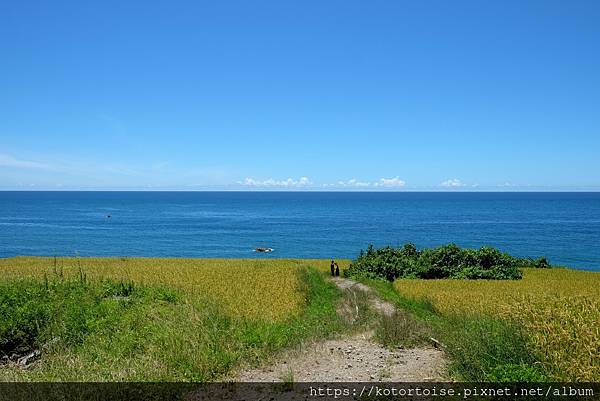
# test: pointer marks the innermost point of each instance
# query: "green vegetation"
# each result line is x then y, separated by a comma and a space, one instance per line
486, 348
120, 319
104, 329
480, 348
555, 312
355, 310
403, 330
449, 261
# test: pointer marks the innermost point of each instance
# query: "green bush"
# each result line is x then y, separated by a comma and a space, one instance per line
33, 313
448, 261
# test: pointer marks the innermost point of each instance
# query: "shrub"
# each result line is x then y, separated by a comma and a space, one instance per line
448, 261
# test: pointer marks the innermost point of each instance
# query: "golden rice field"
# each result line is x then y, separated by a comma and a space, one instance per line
257, 289
559, 308
187, 320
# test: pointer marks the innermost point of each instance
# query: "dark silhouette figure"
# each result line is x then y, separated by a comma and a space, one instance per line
332, 268
337, 270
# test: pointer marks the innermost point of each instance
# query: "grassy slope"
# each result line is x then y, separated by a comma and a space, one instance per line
103, 319
543, 325
480, 348
101, 328
558, 308
244, 287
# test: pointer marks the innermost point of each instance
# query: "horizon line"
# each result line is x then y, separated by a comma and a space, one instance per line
315, 191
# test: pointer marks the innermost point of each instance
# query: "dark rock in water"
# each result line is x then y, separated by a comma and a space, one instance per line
263, 249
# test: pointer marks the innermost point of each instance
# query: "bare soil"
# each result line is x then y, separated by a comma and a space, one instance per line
352, 358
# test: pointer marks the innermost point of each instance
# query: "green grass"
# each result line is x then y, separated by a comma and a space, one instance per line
479, 347
110, 330
355, 311
199, 320
402, 330
556, 309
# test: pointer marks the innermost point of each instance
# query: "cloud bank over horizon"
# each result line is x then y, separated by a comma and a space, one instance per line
305, 182
395, 182
270, 182
58, 174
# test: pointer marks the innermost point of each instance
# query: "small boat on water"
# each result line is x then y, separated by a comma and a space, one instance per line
260, 249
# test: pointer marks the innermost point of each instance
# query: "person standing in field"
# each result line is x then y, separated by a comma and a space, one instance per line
337, 270
332, 268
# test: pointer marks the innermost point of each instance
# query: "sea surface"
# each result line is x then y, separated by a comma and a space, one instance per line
564, 227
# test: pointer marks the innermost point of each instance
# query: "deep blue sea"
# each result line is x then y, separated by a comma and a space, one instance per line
565, 227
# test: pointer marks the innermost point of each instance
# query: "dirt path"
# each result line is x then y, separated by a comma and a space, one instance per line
377, 303
352, 358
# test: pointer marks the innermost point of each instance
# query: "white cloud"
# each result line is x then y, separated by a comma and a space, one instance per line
452, 183
10, 161
390, 182
394, 182
301, 182
270, 183
353, 183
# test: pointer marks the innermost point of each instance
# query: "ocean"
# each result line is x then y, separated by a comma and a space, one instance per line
564, 227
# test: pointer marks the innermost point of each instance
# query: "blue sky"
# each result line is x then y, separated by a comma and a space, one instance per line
305, 95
